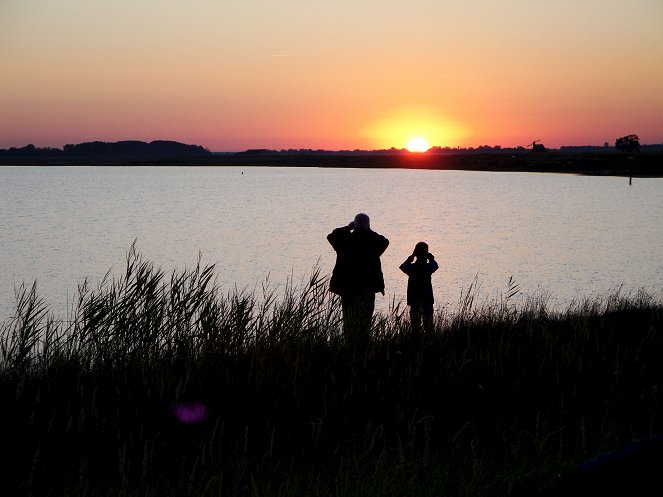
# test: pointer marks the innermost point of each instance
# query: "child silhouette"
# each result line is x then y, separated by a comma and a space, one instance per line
419, 267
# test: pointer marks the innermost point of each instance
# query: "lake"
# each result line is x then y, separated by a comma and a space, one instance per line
566, 235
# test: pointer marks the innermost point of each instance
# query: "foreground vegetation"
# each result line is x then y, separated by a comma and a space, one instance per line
163, 385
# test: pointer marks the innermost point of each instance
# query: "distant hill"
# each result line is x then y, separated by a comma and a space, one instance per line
159, 148
117, 150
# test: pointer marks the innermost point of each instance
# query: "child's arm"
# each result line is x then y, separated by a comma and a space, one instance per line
432, 264
406, 267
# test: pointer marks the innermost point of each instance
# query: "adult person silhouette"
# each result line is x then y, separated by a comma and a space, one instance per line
357, 275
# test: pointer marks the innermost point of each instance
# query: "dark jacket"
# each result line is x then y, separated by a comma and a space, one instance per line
358, 268
419, 286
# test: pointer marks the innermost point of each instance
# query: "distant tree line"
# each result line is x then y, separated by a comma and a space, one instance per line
629, 145
387, 151
165, 148
129, 148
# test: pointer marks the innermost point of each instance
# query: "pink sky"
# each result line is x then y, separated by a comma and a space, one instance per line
365, 74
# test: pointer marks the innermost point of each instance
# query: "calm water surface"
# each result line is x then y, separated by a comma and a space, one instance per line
571, 236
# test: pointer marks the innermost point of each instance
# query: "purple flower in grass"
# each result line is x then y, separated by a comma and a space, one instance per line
190, 412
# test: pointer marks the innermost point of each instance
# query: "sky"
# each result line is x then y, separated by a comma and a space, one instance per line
344, 74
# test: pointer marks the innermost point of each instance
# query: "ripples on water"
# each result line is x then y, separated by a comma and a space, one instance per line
567, 235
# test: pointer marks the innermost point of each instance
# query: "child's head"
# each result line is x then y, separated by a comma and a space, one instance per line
421, 250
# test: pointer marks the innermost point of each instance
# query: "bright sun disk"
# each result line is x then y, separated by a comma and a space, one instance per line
418, 144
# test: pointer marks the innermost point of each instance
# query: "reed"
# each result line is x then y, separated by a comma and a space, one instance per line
163, 384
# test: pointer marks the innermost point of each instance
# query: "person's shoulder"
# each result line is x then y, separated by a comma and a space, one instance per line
340, 231
379, 236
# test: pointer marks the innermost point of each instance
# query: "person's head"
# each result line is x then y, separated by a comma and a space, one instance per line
421, 250
362, 221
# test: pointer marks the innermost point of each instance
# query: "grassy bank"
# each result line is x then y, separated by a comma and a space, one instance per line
163, 385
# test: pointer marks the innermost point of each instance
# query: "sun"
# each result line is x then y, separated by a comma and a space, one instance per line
416, 127
418, 144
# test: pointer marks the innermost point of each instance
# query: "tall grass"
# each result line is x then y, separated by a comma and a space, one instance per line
500, 399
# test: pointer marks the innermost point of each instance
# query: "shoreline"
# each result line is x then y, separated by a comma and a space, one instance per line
592, 164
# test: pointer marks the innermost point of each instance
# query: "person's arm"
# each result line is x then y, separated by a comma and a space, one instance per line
381, 244
406, 267
338, 236
432, 264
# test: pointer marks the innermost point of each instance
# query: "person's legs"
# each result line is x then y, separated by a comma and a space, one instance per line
427, 312
357, 314
367, 309
415, 318
346, 306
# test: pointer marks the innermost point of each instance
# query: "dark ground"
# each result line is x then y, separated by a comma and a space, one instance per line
648, 164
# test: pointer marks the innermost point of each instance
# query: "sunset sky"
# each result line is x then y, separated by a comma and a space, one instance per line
342, 74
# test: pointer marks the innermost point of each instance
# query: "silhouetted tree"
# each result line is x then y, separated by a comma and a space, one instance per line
628, 143
135, 148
